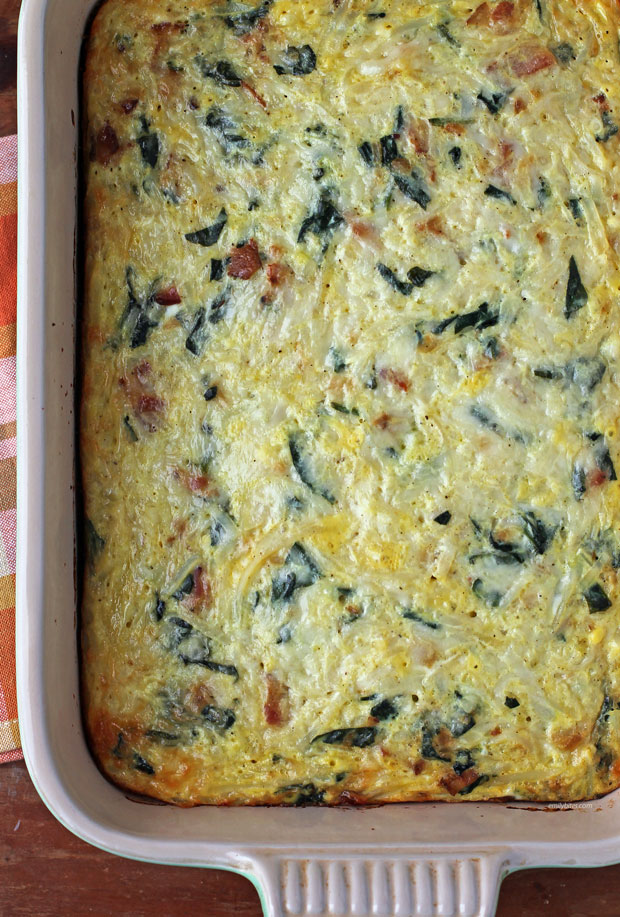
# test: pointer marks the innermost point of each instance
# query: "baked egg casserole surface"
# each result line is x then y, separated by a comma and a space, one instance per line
349, 411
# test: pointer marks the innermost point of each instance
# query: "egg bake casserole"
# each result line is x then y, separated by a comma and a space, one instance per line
349, 412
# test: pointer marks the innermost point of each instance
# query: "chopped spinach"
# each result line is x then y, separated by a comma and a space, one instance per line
455, 153
351, 737
460, 722
543, 191
390, 277
463, 760
366, 152
411, 615
219, 667
160, 607
186, 587
563, 52
479, 319
221, 717
242, 23
216, 532
284, 634
499, 194
537, 532
217, 308
586, 373
164, 738
94, 544
597, 598
131, 433
226, 131
414, 187
492, 349
386, 709
210, 234
576, 293
417, 277
141, 764
545, 372
210, 393
575, 208
148, 141
300, 463
300, 570
375, 15
445, 33
302, 794
611, 128
338, 362
604, 461
297, 61
511, 702
578, 481
488, 595
430, 727
283, 586
217, 269
389, 149
222, 72
197, 336
494, 101
443, 518
140, 314
322, 222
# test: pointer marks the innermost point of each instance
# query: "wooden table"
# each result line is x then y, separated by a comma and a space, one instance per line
46, 872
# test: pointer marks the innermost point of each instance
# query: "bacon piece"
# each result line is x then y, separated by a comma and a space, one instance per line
276, 707
596, 478
162, 28
396, 378
245, 261
277, 273
434, 225
502, 18
168, 297
383, 421
454, 127
196, 482
201, 596
419, 134
363, 230
480, 16
601, 100
529, 59
128, 105
198, 698
255, 95
455, 783
105, 145
146, 405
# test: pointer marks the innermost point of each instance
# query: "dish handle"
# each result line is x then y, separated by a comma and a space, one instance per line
356, 885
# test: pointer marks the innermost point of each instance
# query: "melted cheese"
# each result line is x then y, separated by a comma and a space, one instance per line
350, 399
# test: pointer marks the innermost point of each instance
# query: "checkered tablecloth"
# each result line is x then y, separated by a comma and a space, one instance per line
9, 732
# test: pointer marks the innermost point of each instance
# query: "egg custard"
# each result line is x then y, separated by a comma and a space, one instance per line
350, 399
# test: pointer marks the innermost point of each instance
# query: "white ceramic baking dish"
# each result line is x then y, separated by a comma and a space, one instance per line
418, 859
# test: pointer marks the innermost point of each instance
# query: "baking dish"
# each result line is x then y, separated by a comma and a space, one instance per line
419, 859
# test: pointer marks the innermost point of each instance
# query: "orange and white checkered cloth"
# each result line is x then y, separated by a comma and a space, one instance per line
9, 732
